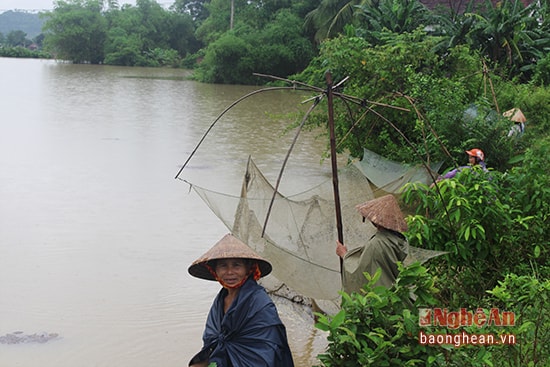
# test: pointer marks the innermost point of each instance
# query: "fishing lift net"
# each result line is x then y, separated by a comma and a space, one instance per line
300, 234
391, 176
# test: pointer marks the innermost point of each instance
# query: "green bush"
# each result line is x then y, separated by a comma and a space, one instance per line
380, 327
278, 49
23, 52
489, 223
226, 61
542, 72
437, 90
527, 297
162, 57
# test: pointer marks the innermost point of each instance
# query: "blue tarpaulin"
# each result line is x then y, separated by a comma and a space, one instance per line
250, 334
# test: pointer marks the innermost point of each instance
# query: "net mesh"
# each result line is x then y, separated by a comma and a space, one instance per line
391, 176
300, 234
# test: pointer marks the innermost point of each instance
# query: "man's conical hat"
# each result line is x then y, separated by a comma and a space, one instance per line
226, 248
384, 211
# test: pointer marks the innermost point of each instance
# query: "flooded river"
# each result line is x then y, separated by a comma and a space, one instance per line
96, 234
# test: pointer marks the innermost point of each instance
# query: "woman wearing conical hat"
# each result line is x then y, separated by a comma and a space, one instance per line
384, 249
243, 328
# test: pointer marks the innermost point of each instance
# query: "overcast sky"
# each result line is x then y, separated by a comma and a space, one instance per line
44, 4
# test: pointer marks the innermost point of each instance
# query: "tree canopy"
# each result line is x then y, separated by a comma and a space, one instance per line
282, 36
98, 31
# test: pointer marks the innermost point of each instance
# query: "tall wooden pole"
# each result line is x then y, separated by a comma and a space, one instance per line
334, 162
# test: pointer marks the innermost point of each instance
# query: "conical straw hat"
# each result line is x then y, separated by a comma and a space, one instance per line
226, 248
515, 115
384, 211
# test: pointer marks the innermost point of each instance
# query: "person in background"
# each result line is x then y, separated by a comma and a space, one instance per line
384, 249
476, 157
243, 328
517, 129
518, 118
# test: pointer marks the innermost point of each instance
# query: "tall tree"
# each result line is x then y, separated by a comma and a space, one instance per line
330, 17
217, 22
197, 9
398, 16
509, 32
76, 30
153, 24
274, 45
17, 38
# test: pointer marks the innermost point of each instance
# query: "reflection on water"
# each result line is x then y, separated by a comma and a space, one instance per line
96, 234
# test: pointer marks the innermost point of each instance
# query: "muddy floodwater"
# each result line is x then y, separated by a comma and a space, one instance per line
96, 234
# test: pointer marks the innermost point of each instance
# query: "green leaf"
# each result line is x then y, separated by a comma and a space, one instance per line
526, 326
338, 319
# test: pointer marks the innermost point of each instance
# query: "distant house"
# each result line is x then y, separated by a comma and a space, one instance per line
458, 6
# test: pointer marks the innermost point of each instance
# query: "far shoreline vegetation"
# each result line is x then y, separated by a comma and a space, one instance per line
453, 74
23, 52
227, 41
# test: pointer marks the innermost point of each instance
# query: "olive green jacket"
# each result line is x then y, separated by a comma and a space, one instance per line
383, 250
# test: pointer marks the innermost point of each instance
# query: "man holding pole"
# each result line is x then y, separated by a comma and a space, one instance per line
384, 249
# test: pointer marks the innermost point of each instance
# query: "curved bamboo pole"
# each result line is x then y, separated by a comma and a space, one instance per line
330, 92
